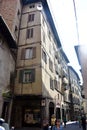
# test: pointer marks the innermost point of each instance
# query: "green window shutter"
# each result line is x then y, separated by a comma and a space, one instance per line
20, 76
33, 75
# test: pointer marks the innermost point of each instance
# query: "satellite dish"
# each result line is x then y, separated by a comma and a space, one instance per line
39, 7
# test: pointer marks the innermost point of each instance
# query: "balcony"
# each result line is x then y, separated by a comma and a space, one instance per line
65, 81
83, 94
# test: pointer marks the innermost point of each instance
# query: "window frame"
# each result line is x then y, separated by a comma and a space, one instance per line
22, 76
29, 33
31, 17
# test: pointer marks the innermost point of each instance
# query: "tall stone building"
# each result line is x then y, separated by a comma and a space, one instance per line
82, 58
75, 93
7, 68
38, 84
41, 76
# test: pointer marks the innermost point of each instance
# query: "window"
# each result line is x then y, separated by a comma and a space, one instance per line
44, 56
31, 6
31, 17
28, 53
56, 84
50, 65
29, 33
18, 13
49, 35
27, 76
58, 96
44, 37
51, 84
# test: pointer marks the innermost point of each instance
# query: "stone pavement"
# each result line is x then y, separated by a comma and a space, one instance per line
69, 126
72, 127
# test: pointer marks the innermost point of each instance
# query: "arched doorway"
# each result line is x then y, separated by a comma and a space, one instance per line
51, 111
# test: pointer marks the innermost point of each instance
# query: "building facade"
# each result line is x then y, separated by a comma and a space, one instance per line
42, 83
82, 56
75, 93
38, 83
11, 12
7, 68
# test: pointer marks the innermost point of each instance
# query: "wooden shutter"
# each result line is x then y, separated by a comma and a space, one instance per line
22, 53
34, 52
27, 33
20, 76
33, 75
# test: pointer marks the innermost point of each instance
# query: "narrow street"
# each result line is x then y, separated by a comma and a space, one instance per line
72, 127
69, 126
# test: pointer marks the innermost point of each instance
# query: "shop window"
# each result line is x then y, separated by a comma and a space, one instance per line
32, 116
27, 76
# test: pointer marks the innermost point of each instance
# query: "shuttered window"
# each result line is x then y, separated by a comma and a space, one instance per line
29, 33
51, 84
27, 76
28, 53
31, 17
50, 65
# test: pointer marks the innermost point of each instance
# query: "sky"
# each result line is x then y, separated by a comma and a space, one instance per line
65, 21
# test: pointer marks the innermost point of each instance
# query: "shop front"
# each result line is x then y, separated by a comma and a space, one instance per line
26, 111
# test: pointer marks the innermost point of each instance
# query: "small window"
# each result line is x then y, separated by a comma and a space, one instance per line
18, 13
31, 17
44, 56
31, 6
27, 77
49, 35
28, 53
51, 84
50, 65
16, 28
30, 33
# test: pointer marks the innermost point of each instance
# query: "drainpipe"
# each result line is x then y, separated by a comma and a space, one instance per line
71, 99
